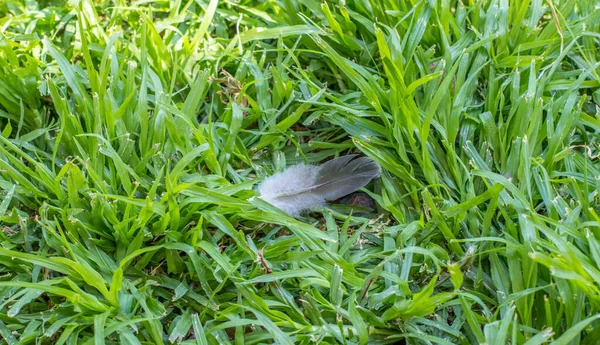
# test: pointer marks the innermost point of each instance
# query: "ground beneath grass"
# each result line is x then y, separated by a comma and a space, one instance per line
133, 135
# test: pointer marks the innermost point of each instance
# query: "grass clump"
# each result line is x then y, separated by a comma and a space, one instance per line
133, 135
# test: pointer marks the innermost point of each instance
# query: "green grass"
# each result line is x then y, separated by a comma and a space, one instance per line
133, 135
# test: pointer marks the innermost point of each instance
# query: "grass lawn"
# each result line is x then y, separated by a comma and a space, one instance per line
134, 134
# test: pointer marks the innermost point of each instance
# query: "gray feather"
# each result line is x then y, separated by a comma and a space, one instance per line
300, 187
344, 175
